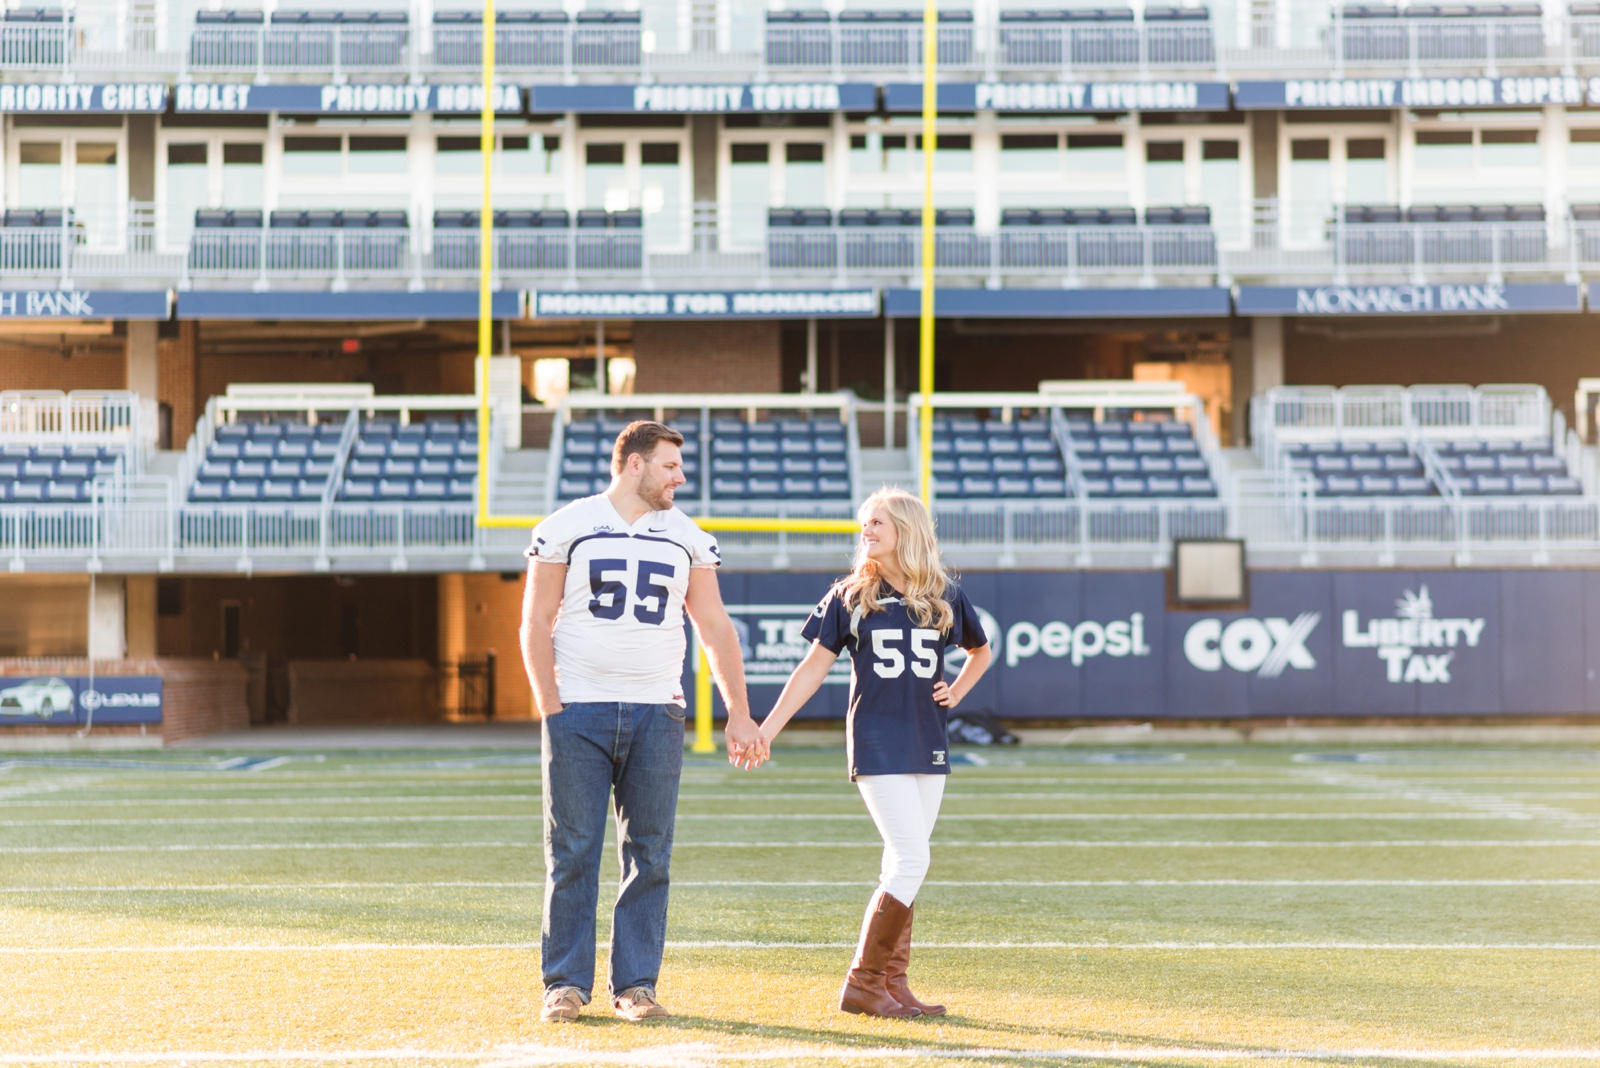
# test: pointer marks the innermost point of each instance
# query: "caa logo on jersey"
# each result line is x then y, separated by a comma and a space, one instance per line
1264, 646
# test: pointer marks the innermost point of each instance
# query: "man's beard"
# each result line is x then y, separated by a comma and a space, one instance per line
655, 493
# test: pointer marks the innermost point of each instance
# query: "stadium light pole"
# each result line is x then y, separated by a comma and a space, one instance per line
930, 116
485, 263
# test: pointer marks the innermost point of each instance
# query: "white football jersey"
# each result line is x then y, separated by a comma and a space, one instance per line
620, 636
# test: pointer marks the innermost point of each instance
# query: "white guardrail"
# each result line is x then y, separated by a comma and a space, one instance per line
136, 521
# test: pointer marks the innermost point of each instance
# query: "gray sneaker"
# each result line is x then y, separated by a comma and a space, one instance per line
638, 1003
561, 1004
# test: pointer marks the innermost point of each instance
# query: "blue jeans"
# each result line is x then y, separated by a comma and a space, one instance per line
589, 750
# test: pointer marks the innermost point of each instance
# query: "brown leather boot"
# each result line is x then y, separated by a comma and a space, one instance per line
895, 976
864, 990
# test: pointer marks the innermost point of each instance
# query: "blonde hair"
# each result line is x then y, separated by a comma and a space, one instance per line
917, 553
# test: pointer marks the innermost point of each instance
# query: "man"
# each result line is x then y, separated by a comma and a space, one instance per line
603, 643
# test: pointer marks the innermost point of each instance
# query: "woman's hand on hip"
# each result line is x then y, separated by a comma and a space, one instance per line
944, 696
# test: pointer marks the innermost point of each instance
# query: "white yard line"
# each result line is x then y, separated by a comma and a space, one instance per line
485, 947
856, 817
1463, 843
187, 888
697, 1054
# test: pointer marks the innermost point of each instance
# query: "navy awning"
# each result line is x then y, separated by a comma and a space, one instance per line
86, 304
322, 305
704, 304
1061, 303
708, 98
1442, 299
1063, 96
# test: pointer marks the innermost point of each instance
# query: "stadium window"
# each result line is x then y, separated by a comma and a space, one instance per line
605, 178
1444, 150
953, 154
749, 193
1366, 171
1310, 187
377, 155
530, 156
1163, 173
805, 177
1095, 153
95, 194
1583, 148
1222, 186
39, 174
457, 155
661, 193
1030, 153
311, 155
1508, 148
243, 176
188, 185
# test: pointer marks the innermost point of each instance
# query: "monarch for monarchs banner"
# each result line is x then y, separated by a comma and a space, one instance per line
1074, 644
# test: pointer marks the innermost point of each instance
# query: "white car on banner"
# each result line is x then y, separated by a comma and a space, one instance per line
42, 698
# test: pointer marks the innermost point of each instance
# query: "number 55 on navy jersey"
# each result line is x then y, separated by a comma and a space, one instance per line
894, 727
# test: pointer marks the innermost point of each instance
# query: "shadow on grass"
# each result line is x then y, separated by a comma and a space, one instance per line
918, 1039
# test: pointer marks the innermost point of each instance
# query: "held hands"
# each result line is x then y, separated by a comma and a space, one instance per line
747, 746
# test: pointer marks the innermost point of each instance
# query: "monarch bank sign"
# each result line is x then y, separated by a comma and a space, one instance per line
1442, 299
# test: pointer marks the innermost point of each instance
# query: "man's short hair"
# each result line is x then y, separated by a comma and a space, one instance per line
641, 436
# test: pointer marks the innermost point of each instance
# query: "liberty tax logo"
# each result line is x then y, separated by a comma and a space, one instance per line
1413, 628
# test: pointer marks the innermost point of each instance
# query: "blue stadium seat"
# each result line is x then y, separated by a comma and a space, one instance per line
763, 487
360, 490
394, 489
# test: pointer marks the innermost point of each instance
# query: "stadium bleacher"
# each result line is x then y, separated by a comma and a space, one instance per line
1425, 441
994, 457
282, 458
1139, 458
784, 459
394, 462
55, 474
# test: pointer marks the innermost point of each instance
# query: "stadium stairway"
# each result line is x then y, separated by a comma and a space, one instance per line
520, 487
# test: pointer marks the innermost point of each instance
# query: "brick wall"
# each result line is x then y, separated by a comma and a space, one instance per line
493, 611
721, 357
362, 691
177, 387
64, 362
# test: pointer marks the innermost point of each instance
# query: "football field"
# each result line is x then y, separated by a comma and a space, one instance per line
1263, 905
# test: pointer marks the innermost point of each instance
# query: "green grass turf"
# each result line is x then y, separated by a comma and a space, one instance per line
1217, 907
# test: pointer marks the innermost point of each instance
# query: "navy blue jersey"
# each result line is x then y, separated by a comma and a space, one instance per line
894, 727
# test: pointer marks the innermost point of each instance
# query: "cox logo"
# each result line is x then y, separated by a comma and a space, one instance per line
1265, 646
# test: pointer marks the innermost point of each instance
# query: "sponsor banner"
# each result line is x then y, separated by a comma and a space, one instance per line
1064, 96
1444, 299
1172, 302
85, 304
751, 304
1417, 93
320, 305
695, 99
69, 99
70, 700
345, 99
1350, 643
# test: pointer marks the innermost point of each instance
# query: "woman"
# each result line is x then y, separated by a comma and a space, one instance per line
897, 612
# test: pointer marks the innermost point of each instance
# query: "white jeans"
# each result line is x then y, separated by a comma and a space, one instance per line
905, 808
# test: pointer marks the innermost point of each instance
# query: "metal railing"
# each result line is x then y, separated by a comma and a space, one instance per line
1416, 250
295, 48
1299, 38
